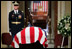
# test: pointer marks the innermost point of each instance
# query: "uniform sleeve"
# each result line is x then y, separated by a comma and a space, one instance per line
9, 21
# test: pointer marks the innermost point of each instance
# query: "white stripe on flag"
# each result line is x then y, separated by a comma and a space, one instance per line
45, 6
37, 6
27, 34
15, 43
34, 6
41, 3
43, 37
19, 36
36, 33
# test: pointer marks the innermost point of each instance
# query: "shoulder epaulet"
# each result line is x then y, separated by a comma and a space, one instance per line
10, 11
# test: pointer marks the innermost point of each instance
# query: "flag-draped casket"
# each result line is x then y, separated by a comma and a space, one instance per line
30, 35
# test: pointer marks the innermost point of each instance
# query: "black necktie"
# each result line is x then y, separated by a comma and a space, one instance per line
16, 12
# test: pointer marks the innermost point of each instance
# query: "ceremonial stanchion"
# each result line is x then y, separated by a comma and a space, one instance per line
50, 32
62, 42
30, 17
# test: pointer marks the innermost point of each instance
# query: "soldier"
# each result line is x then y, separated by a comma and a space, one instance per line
16, 20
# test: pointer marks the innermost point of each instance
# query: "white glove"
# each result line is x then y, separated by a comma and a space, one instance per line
10, 33
47, 33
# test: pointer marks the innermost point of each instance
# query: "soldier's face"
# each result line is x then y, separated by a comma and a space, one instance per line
16, 7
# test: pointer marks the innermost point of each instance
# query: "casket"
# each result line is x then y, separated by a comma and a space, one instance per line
30, 37
39, 15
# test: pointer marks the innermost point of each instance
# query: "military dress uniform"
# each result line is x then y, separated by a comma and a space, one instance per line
16, 22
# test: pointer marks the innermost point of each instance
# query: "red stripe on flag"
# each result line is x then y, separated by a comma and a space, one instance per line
40, 34
47, 5
44, 42
23, 39
13, 44
42, 3
33, 6
16, 39
46, 45
32, 34
44, 6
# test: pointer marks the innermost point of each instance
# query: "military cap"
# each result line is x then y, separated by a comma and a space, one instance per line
16, 3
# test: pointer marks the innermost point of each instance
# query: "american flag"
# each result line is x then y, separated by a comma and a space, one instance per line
30, 35
35, 4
